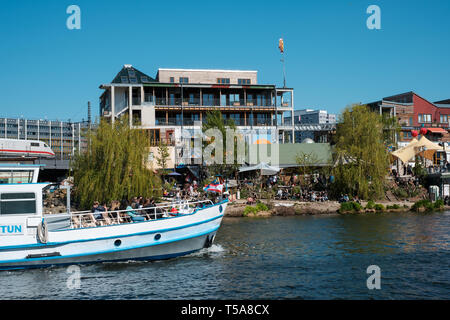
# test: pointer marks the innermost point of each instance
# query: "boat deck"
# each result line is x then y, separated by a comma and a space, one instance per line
88, 219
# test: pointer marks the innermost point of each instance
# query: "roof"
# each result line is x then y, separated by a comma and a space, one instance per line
288, 153
205, 70
131, 75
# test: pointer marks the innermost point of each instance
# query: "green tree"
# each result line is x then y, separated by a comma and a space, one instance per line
215, 120
115, 166
306, 163
360, 141
163, 156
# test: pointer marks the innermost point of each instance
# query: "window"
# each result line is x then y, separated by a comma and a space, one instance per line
133, 80
243, 81
144, 79
172, 80
124, 79
184, 80
208, 99
23, 176
17, 203
234, 99
36, 144
223, 80
424, 118
444, 118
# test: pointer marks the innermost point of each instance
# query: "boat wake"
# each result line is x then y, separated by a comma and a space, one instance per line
213, 251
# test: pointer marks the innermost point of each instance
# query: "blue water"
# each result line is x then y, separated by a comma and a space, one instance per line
308, 257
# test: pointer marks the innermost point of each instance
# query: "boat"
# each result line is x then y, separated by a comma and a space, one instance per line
30, 238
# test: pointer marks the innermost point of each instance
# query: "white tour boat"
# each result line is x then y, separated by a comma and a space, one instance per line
29, 238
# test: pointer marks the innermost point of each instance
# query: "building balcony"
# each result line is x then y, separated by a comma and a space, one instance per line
208, 103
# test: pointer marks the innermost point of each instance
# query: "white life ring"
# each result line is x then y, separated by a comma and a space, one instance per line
42, 231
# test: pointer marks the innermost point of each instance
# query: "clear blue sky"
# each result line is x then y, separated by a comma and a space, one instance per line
332, 58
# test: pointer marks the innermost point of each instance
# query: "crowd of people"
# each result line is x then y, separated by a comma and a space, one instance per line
134, 210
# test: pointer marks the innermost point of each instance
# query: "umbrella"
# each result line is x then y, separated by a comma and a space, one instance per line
173, 174
265, 169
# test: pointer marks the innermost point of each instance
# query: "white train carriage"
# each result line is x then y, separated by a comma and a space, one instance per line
25, 148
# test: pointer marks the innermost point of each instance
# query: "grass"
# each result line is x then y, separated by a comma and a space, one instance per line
255, 209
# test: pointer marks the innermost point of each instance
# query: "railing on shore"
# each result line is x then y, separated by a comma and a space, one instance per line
86, 219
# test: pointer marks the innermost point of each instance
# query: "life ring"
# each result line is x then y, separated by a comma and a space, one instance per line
42, 231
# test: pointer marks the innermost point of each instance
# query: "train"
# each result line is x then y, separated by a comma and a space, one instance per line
25, 148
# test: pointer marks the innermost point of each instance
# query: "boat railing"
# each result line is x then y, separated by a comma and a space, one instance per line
85, 219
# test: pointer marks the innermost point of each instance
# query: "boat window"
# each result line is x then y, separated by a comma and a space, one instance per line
18, 203
10, 176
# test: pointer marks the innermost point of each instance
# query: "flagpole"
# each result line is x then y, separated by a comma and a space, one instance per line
281, 47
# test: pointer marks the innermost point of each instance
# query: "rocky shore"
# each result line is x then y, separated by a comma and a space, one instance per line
293, 208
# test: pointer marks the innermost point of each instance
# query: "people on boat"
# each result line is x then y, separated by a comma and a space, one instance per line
133, 214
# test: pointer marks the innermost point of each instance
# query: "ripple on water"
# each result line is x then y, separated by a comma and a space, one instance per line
276, 258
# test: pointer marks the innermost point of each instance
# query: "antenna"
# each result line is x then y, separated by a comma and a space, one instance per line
89, 113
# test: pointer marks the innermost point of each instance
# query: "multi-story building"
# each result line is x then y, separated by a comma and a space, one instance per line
413, 113
316, 125
179, 99
65, 138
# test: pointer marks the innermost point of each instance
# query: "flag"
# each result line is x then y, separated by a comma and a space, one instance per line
281, 45
213, 187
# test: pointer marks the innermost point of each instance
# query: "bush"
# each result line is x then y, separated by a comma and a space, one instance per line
427, 204
350, 206
439, 204
296, 189
370, 204
249, 209
401, 193
379, 207
261, 207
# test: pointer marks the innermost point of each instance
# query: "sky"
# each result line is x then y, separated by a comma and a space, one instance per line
332, 58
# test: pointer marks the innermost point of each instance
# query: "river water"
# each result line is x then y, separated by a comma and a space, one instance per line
305, 257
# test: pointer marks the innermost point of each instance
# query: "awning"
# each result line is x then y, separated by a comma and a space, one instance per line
437, 130
415, 147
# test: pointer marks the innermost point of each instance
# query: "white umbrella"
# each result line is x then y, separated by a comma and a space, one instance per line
265, 169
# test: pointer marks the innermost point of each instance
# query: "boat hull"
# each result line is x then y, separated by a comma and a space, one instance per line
148, 253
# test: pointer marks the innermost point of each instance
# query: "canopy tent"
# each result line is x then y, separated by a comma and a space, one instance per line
263, 167
416, 147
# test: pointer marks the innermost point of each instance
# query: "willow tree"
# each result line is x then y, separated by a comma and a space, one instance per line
214, 120
361, 155
115, 166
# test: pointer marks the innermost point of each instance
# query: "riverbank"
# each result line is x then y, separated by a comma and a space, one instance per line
293, 208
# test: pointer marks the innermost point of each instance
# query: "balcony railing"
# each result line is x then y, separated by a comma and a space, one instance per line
209, 102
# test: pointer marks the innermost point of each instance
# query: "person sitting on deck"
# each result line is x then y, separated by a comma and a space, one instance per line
97, 210
173, 211
133, 214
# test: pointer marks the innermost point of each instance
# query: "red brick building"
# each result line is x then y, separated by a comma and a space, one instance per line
414, 113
